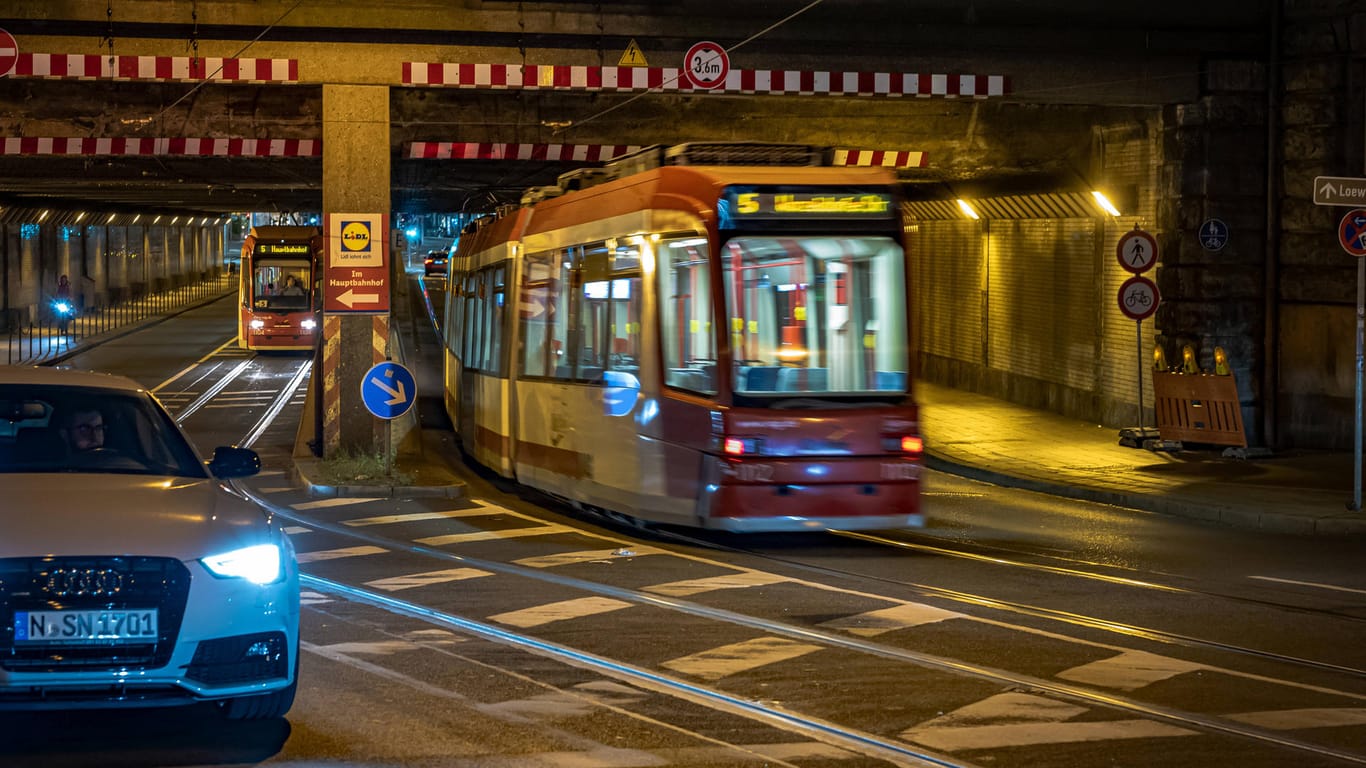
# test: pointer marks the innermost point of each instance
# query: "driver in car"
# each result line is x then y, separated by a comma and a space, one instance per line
84, 430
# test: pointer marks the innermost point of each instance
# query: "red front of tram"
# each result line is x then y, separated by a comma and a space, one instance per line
279, 292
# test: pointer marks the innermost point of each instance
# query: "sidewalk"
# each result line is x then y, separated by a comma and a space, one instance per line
999, 442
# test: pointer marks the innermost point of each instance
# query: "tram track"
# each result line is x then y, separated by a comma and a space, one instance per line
850, 737
830, 639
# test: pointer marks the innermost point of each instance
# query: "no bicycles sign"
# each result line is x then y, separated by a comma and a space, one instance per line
1138, 298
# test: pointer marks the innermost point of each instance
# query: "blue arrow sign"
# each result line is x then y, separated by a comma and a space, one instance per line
388, 390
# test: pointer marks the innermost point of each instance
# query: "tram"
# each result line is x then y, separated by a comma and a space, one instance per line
707, 335
280, 288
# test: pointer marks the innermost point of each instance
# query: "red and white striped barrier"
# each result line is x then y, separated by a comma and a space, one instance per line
42, 145
593, 153
78, 66
745, 81
457, 150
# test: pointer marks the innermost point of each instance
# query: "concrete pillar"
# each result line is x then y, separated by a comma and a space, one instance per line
30, 271
355, 180
96, 266
70, 261
117, 258
158, 258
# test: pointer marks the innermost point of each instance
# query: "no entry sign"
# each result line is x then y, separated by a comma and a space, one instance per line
9, 53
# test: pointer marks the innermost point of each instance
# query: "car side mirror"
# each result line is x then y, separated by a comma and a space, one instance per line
229, 462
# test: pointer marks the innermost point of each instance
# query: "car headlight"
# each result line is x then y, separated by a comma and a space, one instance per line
259, 564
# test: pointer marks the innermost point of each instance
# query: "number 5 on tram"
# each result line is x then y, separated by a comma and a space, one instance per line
279, 288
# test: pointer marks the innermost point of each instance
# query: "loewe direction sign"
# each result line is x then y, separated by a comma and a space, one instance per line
1339, 190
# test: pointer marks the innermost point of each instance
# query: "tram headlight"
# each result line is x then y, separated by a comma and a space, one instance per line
257, 323
309, 324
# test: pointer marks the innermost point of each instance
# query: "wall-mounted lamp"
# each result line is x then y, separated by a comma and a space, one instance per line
1104, 202
967, 210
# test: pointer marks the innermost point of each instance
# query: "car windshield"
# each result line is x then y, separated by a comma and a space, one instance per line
80, 429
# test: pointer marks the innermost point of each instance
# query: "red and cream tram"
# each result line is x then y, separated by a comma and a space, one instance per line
689, 336
279, 288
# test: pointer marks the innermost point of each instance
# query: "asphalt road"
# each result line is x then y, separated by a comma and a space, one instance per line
505, 630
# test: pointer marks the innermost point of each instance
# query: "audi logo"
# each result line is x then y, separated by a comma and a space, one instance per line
83, 582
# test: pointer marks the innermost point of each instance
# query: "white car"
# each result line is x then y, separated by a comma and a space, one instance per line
131, 573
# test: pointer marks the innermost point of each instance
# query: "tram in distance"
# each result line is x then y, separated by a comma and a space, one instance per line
708, 335
280, 288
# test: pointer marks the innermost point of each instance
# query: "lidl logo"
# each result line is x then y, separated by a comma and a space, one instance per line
355, 236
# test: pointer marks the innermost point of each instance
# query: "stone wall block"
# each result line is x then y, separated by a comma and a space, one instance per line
1236, 111
1184, 115
1314, 249
1307, 39
1321, 283
1307, 144
1311, 74
1311, 108
1299, 214
1235, 75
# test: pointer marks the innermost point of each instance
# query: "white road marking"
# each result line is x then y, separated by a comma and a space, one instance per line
313, 598
512, 533
727, 660
1333, 587
378, 648
1294, 719
1129, 671
877, 622
340, 501
566, 609
396, 583
1019, 719
586, 556
413, 517
337, 554
277, 489
713, 583
295, 530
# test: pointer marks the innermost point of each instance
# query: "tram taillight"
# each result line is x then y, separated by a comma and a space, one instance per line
739, 446
909, 444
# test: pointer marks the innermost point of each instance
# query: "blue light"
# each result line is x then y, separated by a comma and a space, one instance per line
411, 232
29, 231
817, 470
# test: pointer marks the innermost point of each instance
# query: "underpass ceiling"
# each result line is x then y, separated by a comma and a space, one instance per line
1034, 139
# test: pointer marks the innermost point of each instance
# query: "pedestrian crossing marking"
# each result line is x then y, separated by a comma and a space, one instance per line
713, 583
397, 583
1295, 719
512, 533
295, 530
566, 609
313, 598
877, 622
377, 648
340, 501
727, 660
337, 554
412, 517
1019, 719
1129, 671
586, 556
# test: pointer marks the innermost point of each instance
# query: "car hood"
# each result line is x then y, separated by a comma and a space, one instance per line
79, 514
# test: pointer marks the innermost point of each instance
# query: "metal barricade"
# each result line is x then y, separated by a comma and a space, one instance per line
1198, 407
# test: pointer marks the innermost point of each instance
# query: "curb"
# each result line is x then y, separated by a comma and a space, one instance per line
300, 471
1251, 520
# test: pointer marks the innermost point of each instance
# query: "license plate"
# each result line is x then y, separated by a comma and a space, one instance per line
72, 627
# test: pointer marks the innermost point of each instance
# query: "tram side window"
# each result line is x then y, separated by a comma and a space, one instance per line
544, 324
685, 300
608, 315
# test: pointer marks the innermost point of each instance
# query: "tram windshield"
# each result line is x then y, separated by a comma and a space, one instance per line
816, 315
281, 285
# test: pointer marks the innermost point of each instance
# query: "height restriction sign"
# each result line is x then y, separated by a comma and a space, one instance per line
706, 65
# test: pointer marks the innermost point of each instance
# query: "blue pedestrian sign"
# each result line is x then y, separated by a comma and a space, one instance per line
1352, 232
1213, 235
388, 390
